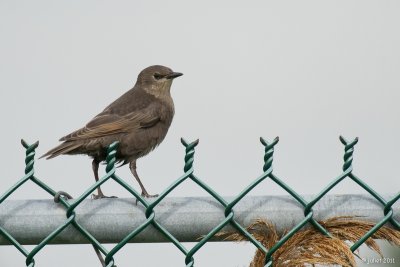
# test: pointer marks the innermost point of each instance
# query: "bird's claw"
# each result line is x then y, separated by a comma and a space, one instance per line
146, 195
100, 196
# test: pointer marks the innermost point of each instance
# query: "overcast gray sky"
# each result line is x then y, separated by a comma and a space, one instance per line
306, 71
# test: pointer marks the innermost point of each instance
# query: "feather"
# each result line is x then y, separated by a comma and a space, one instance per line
61, 149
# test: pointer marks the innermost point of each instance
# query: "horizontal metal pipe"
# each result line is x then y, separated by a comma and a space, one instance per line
110, 220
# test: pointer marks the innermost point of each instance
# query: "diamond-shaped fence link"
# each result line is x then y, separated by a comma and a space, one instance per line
71, 204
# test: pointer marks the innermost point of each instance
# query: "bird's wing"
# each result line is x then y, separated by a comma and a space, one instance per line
110, 124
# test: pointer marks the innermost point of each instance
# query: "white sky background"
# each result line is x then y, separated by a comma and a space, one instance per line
306, 71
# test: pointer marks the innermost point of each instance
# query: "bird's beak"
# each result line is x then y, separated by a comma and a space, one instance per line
173, 75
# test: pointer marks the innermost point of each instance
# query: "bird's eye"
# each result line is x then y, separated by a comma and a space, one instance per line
157, 76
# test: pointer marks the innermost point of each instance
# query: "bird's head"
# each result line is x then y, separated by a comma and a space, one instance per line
157, 79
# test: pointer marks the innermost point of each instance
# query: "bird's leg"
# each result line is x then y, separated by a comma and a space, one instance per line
95, 166
132, 166
98, 253
100, 256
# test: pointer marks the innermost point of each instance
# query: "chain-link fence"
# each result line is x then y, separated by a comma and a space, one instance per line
71, 204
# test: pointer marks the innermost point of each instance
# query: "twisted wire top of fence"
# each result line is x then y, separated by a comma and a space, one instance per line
71, 204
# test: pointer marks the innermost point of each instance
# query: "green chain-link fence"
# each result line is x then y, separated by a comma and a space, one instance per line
229, 214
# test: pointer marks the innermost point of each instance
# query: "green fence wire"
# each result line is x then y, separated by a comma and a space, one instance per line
71, 204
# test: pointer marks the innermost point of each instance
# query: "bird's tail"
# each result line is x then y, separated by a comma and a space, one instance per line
64, 148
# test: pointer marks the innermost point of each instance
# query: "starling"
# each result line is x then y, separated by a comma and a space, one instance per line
139, 120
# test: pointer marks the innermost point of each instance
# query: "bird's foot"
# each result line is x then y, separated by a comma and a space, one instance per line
147, 195
99, 196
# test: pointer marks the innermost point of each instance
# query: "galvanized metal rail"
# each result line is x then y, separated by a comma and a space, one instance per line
110, 220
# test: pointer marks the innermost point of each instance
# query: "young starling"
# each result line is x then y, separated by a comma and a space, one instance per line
138, 120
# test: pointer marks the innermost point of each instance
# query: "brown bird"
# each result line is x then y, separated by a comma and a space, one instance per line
139, 120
